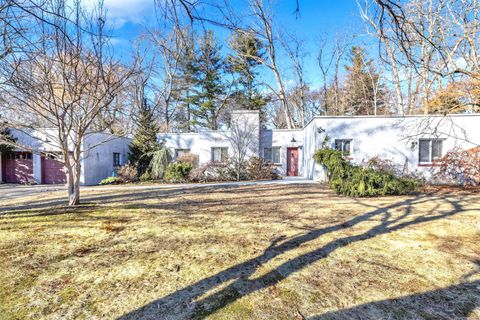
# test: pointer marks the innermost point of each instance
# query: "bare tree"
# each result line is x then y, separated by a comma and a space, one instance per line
295, 50
66, 79
434, 42
330, 59
263, 28
243, 137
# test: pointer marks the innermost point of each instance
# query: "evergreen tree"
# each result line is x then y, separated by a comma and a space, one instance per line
185, 82
243, 63
5, 136
206, 100
364, 94
144, 142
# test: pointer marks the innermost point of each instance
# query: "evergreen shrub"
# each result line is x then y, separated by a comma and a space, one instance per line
356, 181
178, 171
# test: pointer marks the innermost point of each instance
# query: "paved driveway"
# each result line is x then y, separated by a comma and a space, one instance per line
12, 191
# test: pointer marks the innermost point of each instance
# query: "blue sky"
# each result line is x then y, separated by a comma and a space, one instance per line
318, 18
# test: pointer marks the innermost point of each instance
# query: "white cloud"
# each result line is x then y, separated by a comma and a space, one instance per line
120, 12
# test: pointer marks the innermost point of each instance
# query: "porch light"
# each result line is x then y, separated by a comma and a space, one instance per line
320, 130
293, 140
413, 145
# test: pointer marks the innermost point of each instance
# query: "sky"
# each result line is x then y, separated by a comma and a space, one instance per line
318, 18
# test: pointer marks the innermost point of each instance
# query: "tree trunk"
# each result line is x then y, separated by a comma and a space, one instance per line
74, 184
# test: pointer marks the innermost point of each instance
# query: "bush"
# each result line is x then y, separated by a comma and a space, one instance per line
145, 177
188, 158
127, 173
214, 172
461, 166
110, 180
178, 171
160, 159
357, 181
385, 165
259, 169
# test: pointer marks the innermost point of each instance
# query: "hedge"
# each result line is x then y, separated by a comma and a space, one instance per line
356, 181
178, 171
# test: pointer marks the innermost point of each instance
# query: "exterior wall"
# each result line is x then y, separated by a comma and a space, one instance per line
97, 162
202, 142
283, 139
393, 138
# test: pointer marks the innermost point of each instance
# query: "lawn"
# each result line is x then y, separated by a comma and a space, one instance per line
250, 252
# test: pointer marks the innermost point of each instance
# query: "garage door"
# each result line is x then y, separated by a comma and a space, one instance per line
53, 171
17, 167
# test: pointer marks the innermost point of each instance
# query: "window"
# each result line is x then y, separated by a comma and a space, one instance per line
219, 154
20, 155
116, 159
344, 145
429, 150
272, 154
181, 152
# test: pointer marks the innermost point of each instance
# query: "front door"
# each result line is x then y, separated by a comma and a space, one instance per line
292, 162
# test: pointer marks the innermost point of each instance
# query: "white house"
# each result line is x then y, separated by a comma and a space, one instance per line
37, 162
411, 142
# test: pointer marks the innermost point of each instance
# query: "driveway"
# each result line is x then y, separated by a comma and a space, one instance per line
12, 191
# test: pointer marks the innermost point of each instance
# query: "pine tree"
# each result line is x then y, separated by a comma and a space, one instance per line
144, 142
243, 63
185, 82
206, 100
5, 136
364, 93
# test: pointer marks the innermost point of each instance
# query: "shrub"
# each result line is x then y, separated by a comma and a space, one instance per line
214, 171
188, 158
461, 166
178, 172
160, 158
145, 177
259, 169
385, 165
110, 180
127, 173
357, 181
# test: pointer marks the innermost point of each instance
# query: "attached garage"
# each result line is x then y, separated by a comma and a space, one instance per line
17, 167
53, 171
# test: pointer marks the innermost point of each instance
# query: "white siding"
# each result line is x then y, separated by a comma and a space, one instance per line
97, 163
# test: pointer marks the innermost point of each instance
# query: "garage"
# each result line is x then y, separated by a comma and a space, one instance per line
53, 171
17, 167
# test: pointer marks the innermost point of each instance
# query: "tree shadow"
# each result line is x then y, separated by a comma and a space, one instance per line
453, 302
136, 198
238, 281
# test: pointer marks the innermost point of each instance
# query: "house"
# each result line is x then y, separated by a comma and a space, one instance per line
38, 162
413, 143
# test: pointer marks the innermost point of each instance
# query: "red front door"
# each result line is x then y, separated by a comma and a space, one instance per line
292, 162
17, 167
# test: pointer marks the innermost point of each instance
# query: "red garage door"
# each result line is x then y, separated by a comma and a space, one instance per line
17, 167
53, 171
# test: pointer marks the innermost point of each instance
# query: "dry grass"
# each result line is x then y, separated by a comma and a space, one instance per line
252, 252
